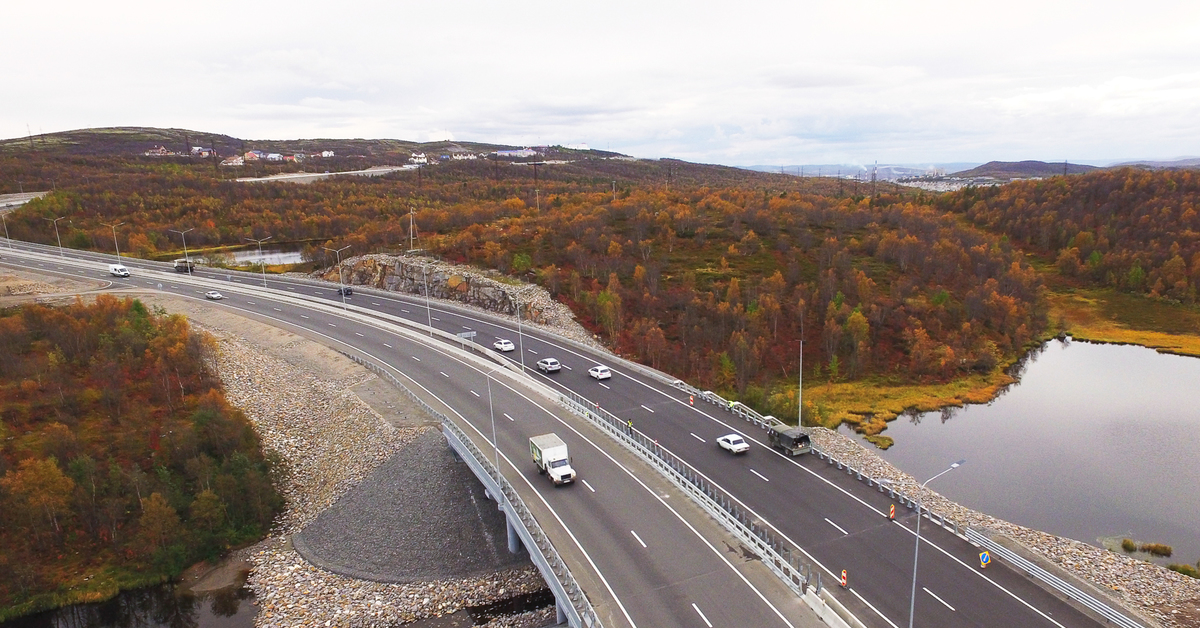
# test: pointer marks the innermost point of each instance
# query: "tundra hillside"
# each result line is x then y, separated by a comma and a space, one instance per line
120, 460
710, 273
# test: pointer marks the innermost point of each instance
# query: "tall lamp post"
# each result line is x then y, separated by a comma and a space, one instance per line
183, 234
5, 220
262, 262
341, 288
912, 603
55, 221
520, 336
428, 311
115, 245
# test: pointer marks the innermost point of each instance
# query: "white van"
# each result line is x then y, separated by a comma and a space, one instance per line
117, 270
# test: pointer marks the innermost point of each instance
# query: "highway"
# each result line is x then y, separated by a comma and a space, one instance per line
841, 523
641, 560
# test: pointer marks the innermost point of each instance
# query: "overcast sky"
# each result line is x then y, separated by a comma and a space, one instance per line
736, 83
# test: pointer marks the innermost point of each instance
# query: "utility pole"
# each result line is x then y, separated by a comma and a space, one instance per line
411, 228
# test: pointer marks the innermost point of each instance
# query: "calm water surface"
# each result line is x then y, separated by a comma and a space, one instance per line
152, 607
1095, 441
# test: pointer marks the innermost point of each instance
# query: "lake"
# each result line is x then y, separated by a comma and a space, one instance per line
272, 256
1094, 441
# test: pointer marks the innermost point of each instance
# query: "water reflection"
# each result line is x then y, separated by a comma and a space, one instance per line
1094, 441
152, 607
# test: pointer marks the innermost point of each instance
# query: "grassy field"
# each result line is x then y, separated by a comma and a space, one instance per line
1116, 317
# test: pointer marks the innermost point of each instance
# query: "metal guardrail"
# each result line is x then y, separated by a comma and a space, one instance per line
787, 561
1061, 585
962, 531
551, 565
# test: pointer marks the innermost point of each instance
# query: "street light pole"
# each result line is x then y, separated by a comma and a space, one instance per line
186, 260
115, 245
912, 603
428, 312
520, 336
261, 261
341, 288
55, 221
5, 220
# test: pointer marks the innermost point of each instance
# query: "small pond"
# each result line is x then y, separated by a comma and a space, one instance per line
1094, 442
163, 606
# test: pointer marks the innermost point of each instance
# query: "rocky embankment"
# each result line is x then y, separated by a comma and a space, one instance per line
331, 440
1170, 598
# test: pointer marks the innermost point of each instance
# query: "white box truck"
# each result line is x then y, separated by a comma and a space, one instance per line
550, 455
118, 270
183, 265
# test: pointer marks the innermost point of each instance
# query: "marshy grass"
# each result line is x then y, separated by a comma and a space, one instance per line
1156, 549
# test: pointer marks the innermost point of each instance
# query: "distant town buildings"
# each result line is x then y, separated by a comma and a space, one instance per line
236, 160
160, 151
418, 158
521, 152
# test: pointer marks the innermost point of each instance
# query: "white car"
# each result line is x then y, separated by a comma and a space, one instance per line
503, 345
733, 443
214, 295
600, 372
548, 365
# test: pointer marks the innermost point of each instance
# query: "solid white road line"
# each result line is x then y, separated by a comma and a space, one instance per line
639, 539
388, 346
698, 438
416, 358
514, 421
567, 367
331, 325
405, 311
250, 302
585, 483
648, 409
872, 607
374, 303
606, 386
444, 374
836, 526
760, 475
303, 316
276, 309
706, 622
938, 598
359, 335
436, 318
477, 394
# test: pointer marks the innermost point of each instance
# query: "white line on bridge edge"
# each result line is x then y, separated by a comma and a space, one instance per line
514, 421
388, 346
706, 622
648, 409
938, 598
872, 607
836, 526
765, 479
698, 438
585, 483
639, 539
474, 393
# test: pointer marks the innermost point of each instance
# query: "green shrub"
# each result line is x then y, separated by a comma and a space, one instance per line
1128, 545
1186, 570
1157, 549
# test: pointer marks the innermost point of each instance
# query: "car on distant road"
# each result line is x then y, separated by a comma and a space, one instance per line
733, 443
503, 345
548, 365
214, 295
345, 291
600, 372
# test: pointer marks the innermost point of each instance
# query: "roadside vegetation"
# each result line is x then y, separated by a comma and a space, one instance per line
121, 462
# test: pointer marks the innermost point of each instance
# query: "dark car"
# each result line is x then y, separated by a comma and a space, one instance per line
345, 291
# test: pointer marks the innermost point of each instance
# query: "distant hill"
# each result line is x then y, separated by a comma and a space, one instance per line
128, 141
1188, 162
1022, 170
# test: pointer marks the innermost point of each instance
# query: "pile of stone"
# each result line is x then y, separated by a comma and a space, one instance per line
330, 440
27, 287
1171, 598
291, 592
